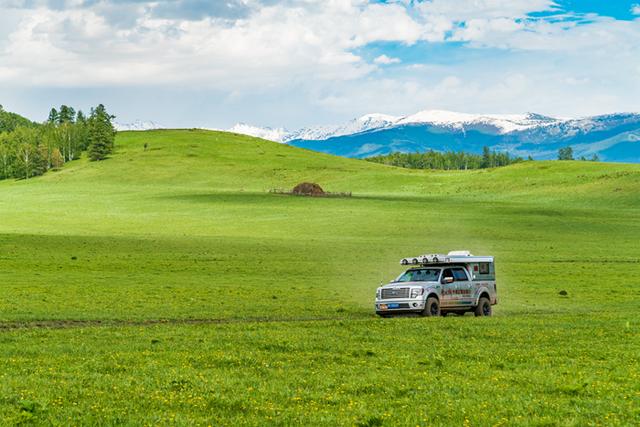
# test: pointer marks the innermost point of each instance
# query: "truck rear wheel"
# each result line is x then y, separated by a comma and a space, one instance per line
483, 308
431, 307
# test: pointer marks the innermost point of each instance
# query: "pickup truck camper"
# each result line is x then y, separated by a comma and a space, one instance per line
438, 284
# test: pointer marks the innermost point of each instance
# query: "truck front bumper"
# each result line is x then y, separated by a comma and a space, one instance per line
399, 306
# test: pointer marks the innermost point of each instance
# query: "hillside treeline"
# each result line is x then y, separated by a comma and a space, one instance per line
9, 121
29, 149
448, 160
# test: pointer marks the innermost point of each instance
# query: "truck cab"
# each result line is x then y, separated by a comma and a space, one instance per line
437, 284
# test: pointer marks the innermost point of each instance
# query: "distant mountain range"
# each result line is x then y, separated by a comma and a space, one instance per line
317, 133
613, 137
137, 125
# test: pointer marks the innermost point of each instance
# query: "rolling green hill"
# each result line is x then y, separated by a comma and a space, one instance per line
167, 286
9, 121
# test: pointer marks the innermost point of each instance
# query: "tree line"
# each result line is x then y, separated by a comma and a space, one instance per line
461, 160
566, 153
28, 149
447, 160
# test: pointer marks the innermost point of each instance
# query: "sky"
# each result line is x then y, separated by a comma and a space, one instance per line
295, 63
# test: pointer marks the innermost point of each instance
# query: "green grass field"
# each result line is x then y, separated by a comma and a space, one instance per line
168, 287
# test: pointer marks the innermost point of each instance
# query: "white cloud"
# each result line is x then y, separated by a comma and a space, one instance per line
274, 45
488, 87
386, 60
461, 10
576, 80
635, 9
469, 19
88, 43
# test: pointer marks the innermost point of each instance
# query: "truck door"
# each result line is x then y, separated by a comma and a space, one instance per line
464, 288
448, 288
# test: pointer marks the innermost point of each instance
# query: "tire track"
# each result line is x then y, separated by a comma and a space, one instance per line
74, 323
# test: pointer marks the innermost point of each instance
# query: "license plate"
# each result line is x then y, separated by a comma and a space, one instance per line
393, 305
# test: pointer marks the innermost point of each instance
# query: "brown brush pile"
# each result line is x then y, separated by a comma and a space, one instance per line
308, 189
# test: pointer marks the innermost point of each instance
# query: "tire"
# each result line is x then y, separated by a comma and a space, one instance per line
483, 308
431, 308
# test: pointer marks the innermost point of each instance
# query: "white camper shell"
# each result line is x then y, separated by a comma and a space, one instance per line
438, 284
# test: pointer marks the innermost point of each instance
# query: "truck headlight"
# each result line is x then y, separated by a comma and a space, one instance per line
416, 292
378, 293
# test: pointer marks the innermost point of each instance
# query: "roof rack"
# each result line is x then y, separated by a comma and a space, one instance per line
450, 258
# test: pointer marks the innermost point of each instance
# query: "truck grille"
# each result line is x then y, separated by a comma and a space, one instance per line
390, 293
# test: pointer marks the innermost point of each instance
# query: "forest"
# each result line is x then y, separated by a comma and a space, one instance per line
448, 160
29, 149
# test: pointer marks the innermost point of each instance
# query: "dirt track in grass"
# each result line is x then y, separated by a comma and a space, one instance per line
71, 323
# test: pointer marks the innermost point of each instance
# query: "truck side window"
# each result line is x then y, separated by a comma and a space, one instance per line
460, 275
447, 273
484, 268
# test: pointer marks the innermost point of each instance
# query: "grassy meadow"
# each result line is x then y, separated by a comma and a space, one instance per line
167, 286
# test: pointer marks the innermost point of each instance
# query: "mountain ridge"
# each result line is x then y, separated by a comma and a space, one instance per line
137, 125
612, 136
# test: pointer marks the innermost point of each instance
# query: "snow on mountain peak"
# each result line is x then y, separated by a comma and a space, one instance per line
137, 125
378, 117
271, 134
361, 124
504, 123
499, 123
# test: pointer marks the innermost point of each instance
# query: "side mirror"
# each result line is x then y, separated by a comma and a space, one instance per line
447, 280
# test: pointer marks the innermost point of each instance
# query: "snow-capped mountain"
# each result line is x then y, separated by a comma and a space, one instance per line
502, 123
271, 134
499, 123
361, 124
613, 137
137, 125
317, 133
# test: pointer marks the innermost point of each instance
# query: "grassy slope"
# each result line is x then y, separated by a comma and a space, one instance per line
186, 230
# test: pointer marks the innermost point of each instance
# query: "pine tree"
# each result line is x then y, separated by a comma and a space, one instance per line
486, 157
81, 131
54, 117
81, 118
66, 115
101, 134
565, 153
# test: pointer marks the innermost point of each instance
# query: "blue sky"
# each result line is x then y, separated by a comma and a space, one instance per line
295, 63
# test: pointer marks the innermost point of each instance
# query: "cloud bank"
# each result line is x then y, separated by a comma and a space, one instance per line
504, 54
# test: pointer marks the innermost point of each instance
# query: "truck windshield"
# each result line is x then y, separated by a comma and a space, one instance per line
420, 275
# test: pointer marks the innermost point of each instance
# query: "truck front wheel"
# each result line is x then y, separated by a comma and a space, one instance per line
483, 308
431, 307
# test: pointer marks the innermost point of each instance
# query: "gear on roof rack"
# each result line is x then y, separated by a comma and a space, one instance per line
451, 257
